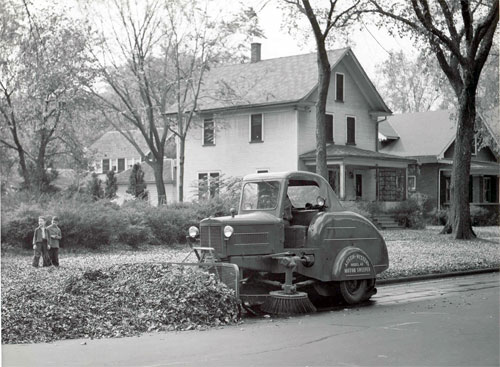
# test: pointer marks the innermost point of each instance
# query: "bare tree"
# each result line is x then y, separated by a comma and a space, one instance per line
44, 62
460, 34
322, 21
155, 84
413, 84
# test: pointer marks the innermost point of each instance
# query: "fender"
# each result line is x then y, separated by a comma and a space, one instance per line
352, 263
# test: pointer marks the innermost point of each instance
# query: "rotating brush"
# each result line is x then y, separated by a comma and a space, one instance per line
288, 301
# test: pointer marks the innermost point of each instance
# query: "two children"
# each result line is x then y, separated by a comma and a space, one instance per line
46, 243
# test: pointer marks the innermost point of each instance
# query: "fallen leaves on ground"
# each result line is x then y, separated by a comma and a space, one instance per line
127, 292
421, 252
47, 304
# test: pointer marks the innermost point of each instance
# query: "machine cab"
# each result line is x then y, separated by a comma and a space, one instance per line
292, 196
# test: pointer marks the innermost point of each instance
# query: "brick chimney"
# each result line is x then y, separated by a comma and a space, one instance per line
255, 55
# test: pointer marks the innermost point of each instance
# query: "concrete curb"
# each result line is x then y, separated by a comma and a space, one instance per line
417, 278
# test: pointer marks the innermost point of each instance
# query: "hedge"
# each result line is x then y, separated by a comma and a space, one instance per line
94, 224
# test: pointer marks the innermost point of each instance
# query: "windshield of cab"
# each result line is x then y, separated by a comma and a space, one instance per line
261, 195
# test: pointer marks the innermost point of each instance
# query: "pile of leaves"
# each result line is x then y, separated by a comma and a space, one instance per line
122, 300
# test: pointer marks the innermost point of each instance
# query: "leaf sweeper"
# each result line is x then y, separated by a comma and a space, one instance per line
289, 240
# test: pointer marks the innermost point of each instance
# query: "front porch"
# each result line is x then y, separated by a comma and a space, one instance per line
484, 182
358, 174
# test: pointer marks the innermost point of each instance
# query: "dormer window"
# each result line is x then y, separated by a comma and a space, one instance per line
208, 132
329, 128
339, 87
256, 128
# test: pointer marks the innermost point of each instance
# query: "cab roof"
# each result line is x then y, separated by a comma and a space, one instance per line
295, 175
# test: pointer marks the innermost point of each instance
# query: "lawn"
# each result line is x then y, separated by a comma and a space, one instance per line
417, 252
123, 291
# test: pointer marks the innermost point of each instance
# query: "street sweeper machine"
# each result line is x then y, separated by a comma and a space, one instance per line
291, 241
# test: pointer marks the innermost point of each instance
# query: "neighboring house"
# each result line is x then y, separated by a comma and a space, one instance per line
113, 152
429, 138
260, 117
169, 174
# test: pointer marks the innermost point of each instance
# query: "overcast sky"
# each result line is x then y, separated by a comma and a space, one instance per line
370, 46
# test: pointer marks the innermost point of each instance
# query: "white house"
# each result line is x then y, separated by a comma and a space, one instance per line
260, 117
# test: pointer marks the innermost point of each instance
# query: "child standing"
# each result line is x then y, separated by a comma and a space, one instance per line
54, 237
40, 244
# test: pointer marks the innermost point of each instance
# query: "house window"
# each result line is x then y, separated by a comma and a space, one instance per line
329, 128
256, 128
105, 165
412, 183
488, 190
391, 184
208, 185
208, 132
351, 130
339, 87
447, 192
121, 164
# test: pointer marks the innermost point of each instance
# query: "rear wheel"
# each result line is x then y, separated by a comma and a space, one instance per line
354, 291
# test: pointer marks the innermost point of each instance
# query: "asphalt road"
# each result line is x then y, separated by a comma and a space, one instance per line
447, 322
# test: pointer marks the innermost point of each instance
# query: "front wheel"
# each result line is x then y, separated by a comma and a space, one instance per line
354, 291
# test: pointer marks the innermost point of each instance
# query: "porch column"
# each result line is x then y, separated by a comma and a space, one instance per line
342, 181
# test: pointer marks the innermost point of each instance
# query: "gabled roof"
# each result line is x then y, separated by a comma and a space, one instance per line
430, 133
386, 132
113, 144
342, 151
149, 176
421, 133
278, 81
492, 123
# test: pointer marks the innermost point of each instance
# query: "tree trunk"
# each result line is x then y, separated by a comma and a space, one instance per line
160, 186
323, 85
40, 165
182, 150
459, 221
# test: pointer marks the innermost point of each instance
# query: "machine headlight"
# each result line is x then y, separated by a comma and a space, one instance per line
193, 232
320, 201
228, 231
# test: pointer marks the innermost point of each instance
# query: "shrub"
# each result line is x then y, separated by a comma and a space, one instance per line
134, 235
88, 224
441, 217
111, 185
409, 214
480, 216
19, 225
170, 226
424, 202
356, 207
